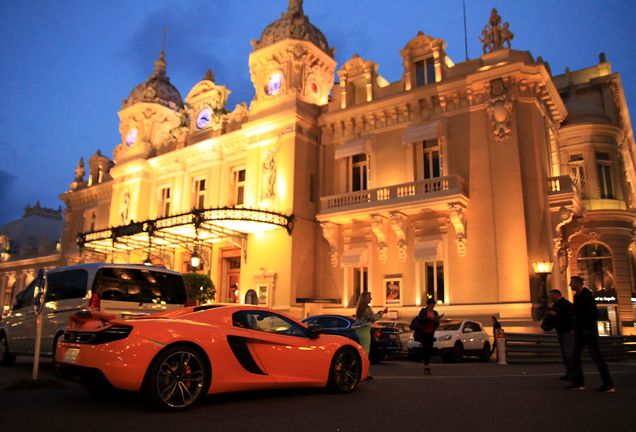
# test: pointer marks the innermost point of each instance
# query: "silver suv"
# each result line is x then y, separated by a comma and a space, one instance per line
125, 290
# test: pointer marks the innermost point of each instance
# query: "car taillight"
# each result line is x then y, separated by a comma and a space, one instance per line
94, 302
110, 334
376, 334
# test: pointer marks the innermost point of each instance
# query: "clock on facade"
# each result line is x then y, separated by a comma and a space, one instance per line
131, 138
273, 85
204, 117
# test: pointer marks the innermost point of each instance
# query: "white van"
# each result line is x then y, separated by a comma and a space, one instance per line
125, 290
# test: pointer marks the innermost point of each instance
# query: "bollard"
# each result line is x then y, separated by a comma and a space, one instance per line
501, 347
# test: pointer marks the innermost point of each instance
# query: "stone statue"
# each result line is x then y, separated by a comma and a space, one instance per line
269, 174
125, 202
80, 171
295, 7
494, 36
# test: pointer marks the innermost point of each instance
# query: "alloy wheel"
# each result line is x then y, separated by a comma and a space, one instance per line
180, 379
346, 371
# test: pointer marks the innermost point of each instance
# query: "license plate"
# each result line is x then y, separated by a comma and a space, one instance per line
71, 354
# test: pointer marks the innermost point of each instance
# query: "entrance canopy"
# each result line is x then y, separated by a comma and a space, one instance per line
197, 227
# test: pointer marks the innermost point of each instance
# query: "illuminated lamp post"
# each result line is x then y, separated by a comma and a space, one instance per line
541, 269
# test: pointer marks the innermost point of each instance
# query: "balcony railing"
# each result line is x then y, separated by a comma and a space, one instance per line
414, 191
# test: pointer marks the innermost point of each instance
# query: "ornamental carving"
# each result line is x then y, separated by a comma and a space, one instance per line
494, 35
457, 218
330, 232
397, 225
377, 227
499, 109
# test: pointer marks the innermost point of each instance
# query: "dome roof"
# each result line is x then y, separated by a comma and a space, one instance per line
156, 89
293, 24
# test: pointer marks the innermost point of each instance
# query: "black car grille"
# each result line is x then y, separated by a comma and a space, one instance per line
110, 334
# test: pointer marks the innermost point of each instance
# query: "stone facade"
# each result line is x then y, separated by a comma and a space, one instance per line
448, 183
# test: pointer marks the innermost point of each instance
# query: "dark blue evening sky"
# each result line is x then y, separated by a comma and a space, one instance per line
66, 65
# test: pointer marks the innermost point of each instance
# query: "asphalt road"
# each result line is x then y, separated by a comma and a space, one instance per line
468, 396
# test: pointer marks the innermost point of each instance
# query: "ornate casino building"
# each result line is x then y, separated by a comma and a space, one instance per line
480, 184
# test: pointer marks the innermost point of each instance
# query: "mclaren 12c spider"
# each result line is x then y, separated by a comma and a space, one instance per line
177, 357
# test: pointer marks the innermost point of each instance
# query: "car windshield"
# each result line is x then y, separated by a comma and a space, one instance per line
449, 325
386, 324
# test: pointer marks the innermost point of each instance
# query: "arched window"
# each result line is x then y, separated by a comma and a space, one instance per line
595, 266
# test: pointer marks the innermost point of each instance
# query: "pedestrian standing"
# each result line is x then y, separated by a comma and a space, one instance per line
364, 318
496, 325
562, 313
586, 333
424, 326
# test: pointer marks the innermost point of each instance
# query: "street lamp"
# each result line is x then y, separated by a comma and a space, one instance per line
542, 269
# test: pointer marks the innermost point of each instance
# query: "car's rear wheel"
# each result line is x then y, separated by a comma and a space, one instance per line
345, 371
6, 358
485, 352
376, 356
177, 378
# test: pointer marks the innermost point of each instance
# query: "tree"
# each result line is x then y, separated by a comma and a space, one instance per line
200, 287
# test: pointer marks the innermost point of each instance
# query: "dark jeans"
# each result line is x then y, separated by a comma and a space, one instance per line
590, 339
566, 342
427, 341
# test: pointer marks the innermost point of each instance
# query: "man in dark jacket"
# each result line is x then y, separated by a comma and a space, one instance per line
586, 333
563, 318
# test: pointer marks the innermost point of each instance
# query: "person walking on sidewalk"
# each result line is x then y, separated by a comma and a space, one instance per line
586, 333
562, 316
424, 326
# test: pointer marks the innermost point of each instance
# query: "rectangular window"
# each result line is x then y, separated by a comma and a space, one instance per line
359, 172
604, 168
198, 193
434, 281
430, 157
424, 72
238, 186
164, 202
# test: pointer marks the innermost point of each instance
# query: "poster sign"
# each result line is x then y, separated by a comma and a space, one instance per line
393, 291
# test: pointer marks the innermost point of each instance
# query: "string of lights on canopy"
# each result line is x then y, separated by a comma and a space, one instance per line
187, 230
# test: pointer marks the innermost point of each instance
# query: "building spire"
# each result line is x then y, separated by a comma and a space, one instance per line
160, 63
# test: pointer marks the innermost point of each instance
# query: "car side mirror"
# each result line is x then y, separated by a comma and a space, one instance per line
313, 331
468, 330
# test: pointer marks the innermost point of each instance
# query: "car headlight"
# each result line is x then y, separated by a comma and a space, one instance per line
445, 338
411, 338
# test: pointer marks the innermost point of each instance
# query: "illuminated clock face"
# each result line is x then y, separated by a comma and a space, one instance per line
274, 84
131, 138
203, 119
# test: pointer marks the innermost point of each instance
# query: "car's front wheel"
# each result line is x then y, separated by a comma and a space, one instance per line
345, 371
456, 353
177, 378
6, 358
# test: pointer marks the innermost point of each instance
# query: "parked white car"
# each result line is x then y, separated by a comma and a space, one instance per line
125, 290
455, 339
403, 327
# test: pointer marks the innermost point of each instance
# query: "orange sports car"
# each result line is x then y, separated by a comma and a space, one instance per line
177, 357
